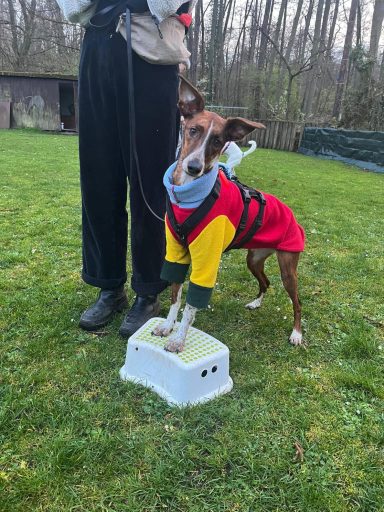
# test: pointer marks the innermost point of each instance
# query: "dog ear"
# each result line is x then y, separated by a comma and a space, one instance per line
237, 128
190, 100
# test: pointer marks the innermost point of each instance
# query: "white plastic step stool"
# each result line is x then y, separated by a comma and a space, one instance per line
196, 375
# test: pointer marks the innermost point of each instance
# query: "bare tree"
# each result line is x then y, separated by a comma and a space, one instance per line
264, 33
279, 58
22, 24
377, 23
35, 37
311, 85
193, 40
341, 79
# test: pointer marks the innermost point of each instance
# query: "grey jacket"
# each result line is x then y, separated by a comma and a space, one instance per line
81, 11
78, 11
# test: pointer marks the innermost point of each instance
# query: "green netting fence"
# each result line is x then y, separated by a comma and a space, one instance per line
362, 148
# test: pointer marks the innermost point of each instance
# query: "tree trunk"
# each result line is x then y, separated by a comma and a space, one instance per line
289, 97
292, 36
344, 61
377, 23
22, 31
321, 61
194, 46
311, 84
358, 24
212, 50
331, 35
253, 33
202, 46
382, 69
275, 37
288, 51
308, 19
264, 30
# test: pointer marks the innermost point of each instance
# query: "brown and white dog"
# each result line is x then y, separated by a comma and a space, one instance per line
205, 135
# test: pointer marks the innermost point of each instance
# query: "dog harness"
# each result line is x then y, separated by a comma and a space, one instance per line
241, 238
200, 228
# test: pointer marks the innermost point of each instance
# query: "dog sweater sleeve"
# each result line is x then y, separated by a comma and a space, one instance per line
177, 260
206, 252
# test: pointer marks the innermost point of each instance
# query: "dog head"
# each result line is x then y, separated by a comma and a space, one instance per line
205, 134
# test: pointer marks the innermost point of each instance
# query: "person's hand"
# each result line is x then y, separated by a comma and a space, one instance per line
182, 68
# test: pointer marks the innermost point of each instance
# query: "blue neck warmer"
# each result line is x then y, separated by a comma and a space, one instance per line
192, 194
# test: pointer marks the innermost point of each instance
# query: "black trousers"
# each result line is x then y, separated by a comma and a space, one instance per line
105, 162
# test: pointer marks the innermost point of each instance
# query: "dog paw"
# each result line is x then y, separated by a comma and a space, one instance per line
174, 345
296, 338
254, 304
163, 329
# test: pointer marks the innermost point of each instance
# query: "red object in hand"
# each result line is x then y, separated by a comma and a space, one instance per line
185, 19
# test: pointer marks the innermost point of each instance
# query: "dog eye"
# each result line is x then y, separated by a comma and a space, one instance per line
193, 131
216, 142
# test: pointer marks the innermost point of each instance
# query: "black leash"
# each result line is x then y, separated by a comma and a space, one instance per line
133, 156
113, 11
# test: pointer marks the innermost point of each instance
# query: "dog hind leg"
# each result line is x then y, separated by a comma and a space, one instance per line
255, 263
288, 262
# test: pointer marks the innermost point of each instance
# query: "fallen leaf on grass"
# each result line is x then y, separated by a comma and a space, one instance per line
99, 334
374, 321
299, 454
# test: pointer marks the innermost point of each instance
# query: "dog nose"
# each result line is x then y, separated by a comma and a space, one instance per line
194, 167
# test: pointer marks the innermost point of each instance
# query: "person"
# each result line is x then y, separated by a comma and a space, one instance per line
104, 149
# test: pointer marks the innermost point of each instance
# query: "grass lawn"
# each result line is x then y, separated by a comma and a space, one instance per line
76, 438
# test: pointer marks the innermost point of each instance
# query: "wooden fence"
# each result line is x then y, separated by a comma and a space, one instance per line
284, 135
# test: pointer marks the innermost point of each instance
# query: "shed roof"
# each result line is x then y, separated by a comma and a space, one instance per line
27, 74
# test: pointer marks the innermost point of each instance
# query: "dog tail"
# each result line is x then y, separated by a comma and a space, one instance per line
253, 147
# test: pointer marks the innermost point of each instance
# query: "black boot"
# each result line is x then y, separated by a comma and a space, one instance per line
102, 311
142, 310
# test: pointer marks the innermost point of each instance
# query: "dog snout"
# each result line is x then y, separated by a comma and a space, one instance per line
194, 167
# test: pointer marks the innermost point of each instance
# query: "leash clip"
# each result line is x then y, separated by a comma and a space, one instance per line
158, 26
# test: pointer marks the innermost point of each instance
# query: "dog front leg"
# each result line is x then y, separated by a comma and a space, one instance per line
165, 328
176, 342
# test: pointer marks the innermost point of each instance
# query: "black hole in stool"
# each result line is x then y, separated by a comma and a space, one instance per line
204, 373
214, 369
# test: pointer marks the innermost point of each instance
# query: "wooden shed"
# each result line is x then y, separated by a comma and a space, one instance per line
38, 100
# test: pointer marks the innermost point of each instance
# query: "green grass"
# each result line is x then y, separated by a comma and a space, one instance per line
76, 438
